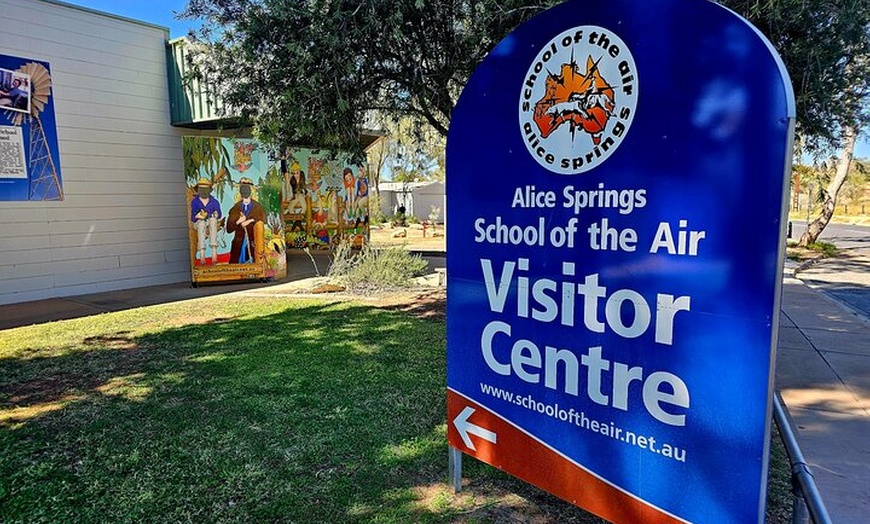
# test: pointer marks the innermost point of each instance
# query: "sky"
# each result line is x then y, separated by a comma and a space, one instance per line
162, 12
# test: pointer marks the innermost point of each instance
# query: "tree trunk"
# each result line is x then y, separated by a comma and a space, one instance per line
815, 228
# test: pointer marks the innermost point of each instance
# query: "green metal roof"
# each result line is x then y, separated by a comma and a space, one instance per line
194, 105
191, 101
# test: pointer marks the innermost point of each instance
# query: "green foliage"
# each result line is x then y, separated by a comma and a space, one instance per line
415, 152
399, 219
825, 248
814, 179
376, 215
270, 189
826, 48
203, 154
856, 188
309, 72
779, 490
372, 269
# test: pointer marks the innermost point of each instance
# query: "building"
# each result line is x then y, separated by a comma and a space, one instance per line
423, 200
118, 225
114, 115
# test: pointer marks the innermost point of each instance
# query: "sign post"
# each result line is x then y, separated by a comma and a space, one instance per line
616, 175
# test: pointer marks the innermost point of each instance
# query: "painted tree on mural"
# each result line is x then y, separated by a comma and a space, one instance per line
207, 155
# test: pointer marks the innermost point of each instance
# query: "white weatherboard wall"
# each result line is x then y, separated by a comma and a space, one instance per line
418, 198
122, 223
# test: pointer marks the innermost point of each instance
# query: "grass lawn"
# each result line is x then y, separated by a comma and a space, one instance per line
242, 409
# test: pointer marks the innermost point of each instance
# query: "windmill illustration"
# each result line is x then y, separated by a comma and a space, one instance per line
44, 182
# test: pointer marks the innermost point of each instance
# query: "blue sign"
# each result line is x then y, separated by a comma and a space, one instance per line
616, 175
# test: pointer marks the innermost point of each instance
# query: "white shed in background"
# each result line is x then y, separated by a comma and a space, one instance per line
421, 199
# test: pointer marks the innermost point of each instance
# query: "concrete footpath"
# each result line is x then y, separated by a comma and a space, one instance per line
823, 375
822, 370
299, 267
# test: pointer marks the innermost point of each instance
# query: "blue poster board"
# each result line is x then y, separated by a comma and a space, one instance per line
616, 175
29, 155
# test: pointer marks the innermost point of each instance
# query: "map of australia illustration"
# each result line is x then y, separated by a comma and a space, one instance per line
576, 99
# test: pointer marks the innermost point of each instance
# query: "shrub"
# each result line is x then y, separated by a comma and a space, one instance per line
372, 270
376, 216
825, 248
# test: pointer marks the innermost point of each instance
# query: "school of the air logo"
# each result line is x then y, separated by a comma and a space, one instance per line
578, 99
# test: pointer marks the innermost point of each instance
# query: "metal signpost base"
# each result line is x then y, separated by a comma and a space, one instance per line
454, 468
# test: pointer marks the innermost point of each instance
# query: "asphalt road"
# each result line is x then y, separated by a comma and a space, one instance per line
846, 277
844, 236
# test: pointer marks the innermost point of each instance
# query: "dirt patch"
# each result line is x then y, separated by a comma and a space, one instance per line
79, 373
119, 340
502, 501
811, 253
413, 237
328, 288
427, 303
802, 254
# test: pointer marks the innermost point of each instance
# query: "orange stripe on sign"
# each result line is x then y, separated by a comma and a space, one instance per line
529, 459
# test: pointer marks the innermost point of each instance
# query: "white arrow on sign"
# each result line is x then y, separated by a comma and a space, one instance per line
465, 427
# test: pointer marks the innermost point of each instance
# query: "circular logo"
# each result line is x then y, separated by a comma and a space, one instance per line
578, 99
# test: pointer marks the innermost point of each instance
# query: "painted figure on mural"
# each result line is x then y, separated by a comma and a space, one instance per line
362, 200
315, 173
294, 186
349, 193
356, 198
240, 222
320, 220
332, 206
205, 211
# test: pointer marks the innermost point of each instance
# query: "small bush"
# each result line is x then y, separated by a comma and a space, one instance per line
825, 248
373, 270
376, 216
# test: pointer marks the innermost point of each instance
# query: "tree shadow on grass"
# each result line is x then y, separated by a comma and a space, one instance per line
318, 413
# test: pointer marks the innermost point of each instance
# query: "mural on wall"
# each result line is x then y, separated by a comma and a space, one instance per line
324, 200
234, 210
29, 157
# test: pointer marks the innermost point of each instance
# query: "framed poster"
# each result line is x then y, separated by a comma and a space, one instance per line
29, 156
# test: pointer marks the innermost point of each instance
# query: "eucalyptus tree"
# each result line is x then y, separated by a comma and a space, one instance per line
314, 71
825, 45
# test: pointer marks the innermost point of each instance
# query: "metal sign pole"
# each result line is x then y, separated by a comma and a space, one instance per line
454, 468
